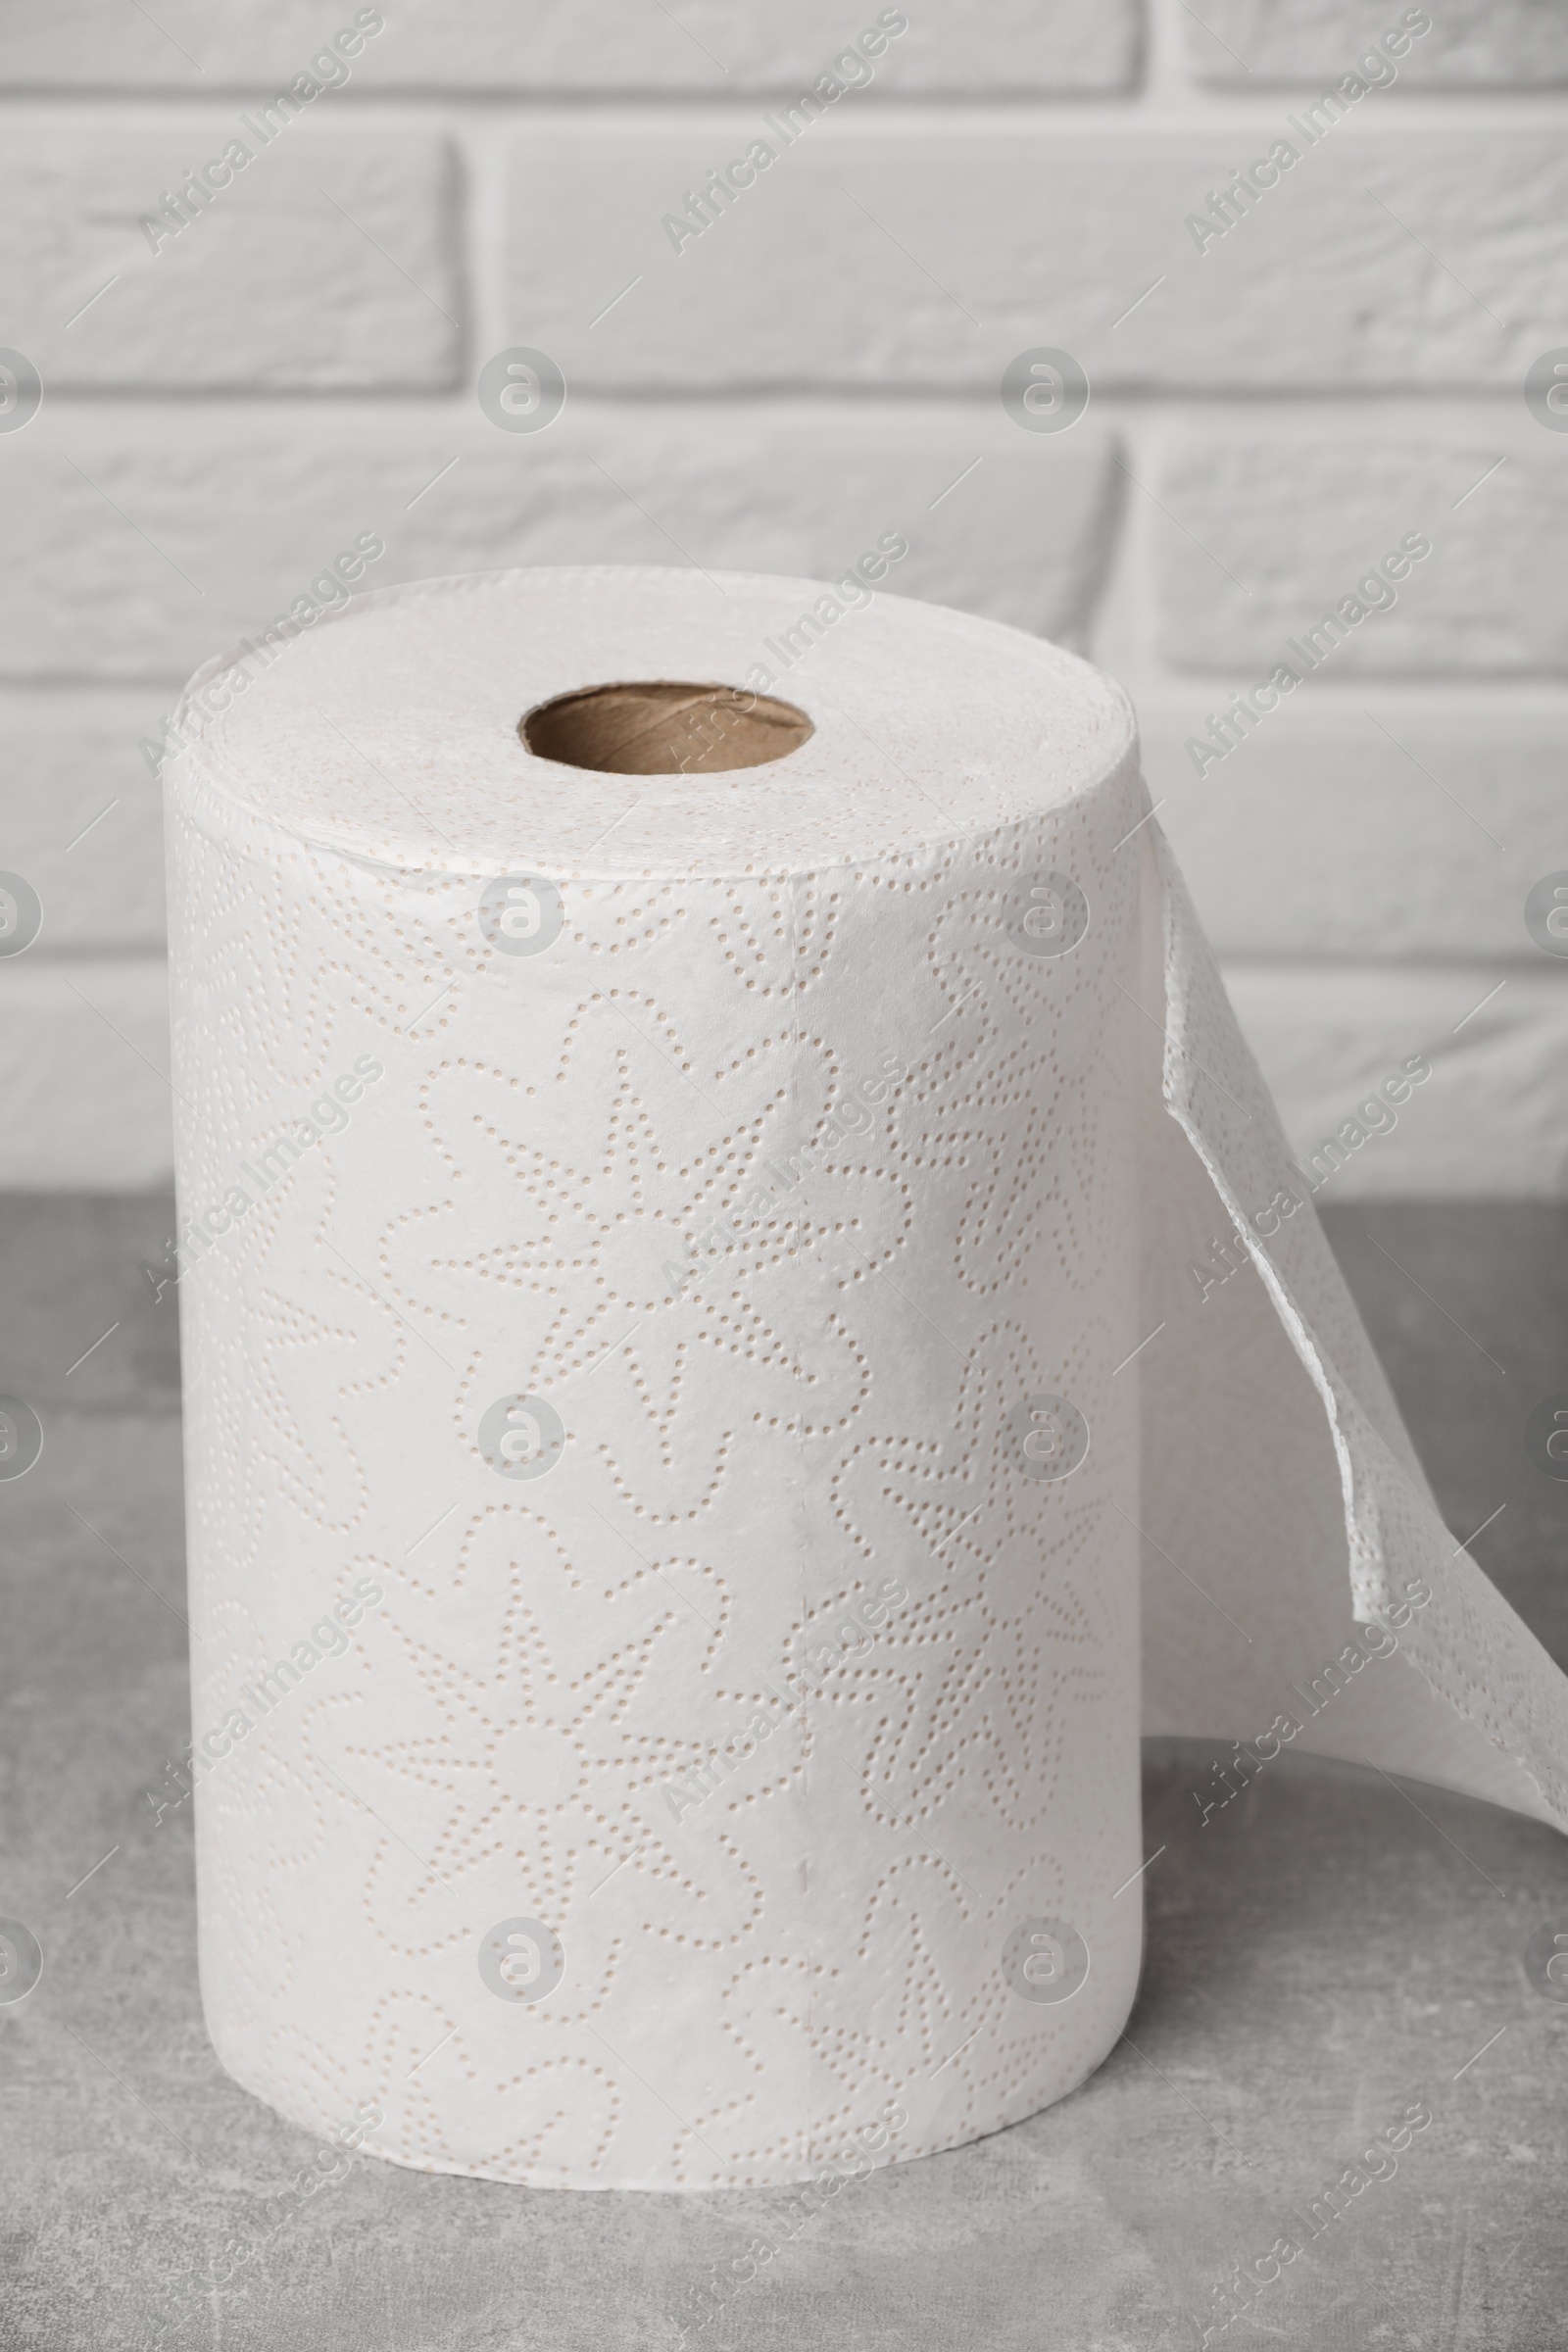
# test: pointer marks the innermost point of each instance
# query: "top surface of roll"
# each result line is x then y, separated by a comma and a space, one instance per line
391, 731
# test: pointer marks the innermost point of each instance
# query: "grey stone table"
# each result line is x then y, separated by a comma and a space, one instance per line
1328, 1955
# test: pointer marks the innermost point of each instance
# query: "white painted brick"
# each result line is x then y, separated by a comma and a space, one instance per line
250, 512
83, 1064
1470, 44
878, 251
1395, 831
1492, 1122
80, 820
297, 277
1275, 530
705, 46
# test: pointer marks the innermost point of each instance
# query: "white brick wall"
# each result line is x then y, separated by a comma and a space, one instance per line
326, 266
1273, 409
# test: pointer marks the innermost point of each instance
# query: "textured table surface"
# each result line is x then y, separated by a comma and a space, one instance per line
1326, 1954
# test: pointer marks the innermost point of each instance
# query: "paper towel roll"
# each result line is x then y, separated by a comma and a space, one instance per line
696, 1327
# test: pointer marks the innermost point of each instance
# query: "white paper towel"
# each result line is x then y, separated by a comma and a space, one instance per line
692, 1353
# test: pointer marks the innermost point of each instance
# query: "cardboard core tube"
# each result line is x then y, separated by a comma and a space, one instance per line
663, 729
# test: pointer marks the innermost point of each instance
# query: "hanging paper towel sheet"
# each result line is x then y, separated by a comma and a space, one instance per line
694, 1372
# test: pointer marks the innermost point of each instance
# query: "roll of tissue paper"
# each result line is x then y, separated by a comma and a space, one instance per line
731, 1254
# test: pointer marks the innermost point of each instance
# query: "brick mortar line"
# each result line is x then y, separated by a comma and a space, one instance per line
1423, 111
1435, 405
